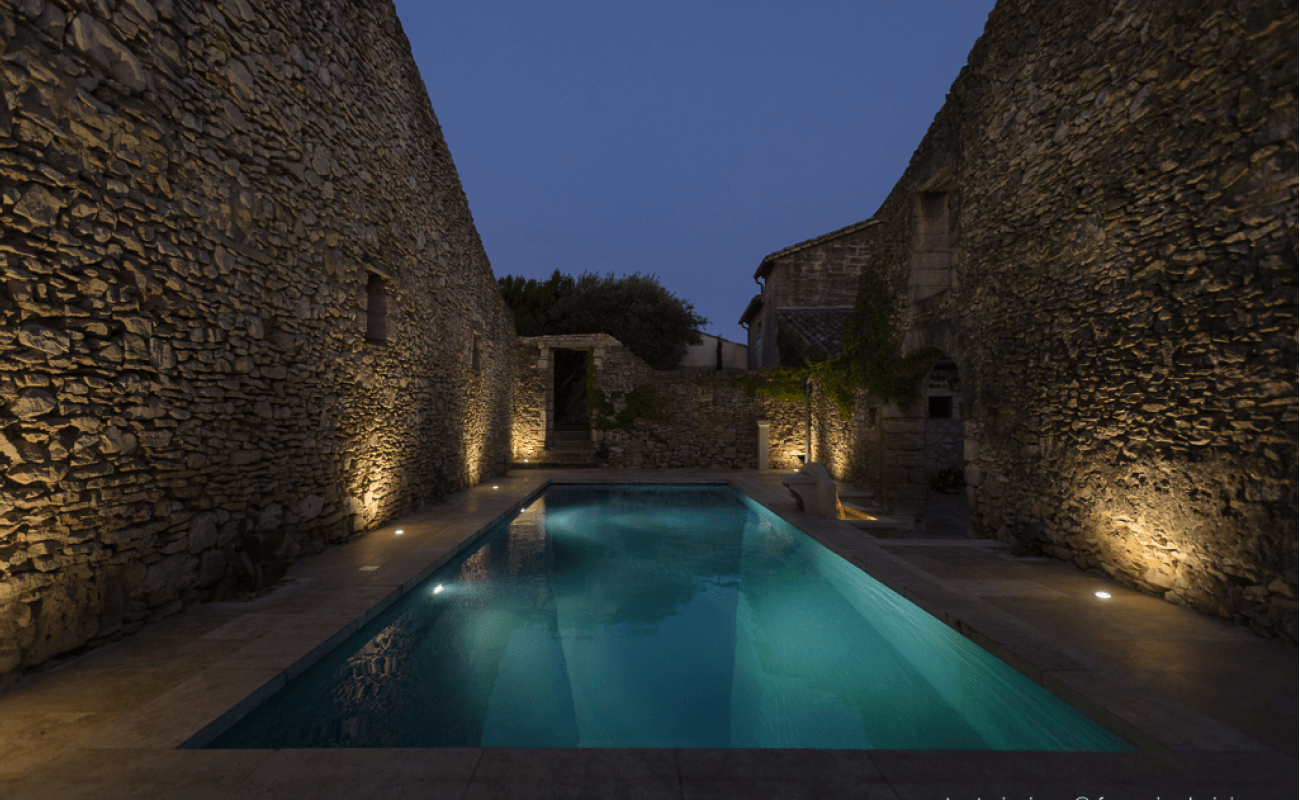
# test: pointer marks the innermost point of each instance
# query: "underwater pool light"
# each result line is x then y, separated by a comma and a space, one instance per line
437, 589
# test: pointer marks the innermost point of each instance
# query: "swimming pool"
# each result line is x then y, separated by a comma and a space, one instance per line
659, 616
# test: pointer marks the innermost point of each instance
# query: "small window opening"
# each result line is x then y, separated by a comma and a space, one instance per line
476, 359
376, 309
940, 407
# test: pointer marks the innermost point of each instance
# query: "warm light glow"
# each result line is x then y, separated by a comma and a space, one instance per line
399, 531
438, 589
525, 461
1104, 595
494, 487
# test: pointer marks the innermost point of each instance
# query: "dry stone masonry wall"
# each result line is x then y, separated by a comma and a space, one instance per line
710, 421
1119, 185
245, 314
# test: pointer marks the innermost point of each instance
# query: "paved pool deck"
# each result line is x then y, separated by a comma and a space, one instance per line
1210, 706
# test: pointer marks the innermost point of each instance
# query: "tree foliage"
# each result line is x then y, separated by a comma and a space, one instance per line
649, 320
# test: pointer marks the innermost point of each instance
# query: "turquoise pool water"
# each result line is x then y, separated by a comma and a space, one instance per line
659, 616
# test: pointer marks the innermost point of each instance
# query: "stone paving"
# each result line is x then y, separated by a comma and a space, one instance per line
1211, 707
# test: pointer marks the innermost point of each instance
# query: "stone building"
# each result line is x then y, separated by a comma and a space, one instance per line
807, 293
1098, 233
246, 312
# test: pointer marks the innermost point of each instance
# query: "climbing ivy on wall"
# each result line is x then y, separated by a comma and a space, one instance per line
640, 403
868, 359
869, 356
782, 383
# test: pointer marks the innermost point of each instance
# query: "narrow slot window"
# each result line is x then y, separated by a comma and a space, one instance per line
376, 309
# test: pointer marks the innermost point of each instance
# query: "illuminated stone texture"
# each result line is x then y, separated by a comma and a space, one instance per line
242, 292
1119, 184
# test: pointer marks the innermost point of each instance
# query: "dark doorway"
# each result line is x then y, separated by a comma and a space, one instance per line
571, 391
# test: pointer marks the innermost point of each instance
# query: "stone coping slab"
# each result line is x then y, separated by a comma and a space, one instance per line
125, 720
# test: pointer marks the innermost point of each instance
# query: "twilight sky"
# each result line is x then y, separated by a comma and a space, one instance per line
686, 139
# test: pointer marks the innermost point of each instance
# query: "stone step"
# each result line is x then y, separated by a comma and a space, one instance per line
568, 454
562, 455
571, 436
880, 527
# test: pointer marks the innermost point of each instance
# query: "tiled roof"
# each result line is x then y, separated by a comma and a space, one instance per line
766, 264
821, 328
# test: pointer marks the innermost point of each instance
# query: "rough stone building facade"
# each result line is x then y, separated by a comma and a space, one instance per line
1100, 231
814, 279
246, 312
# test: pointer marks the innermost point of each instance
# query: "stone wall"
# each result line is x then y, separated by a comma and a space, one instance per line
529, 400
1118, 290
711, 421
821, 272
880, 447
817, 273
246, 311
532, 398
945, 446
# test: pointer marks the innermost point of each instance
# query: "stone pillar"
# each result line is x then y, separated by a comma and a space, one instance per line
764, 429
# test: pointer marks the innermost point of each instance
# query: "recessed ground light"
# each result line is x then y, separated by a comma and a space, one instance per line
525, 461
1104, 595
494, 487
399, 531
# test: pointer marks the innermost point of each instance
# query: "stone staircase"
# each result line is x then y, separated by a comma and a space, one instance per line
568, 450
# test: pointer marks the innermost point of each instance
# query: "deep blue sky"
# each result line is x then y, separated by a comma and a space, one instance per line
683, 139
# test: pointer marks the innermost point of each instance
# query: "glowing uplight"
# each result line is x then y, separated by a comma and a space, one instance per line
399, 531
525, 461
1104, 595
494, 487
438, 589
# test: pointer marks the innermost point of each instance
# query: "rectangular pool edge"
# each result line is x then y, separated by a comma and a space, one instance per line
981, 617
970, 626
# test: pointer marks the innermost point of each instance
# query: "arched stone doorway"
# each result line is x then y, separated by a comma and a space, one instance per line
947, 510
